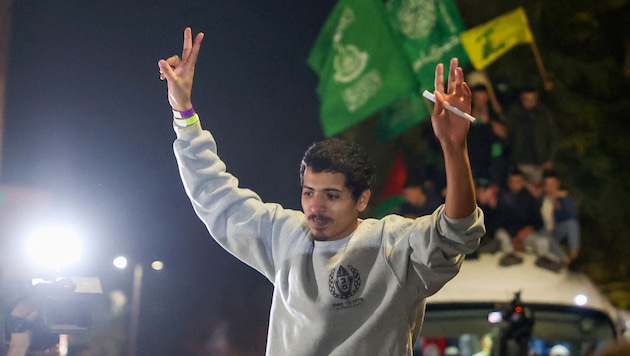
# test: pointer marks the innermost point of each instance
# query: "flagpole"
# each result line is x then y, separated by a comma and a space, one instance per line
539, 62
492, 95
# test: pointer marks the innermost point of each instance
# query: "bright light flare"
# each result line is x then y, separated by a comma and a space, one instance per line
54, 247
121, 262
157, 265
580, 299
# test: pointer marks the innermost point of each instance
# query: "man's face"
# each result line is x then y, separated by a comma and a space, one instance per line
529, 100
479, 98
551, 186
516, 182
328, 205
414, 195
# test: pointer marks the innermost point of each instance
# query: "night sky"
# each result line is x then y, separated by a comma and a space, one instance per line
87, 120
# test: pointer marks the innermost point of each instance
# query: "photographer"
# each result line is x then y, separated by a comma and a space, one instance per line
19, 331
20, 326
516, 331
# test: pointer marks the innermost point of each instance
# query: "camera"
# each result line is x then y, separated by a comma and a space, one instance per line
517, 324
64, 304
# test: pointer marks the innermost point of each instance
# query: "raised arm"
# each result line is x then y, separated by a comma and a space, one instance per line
451, 130
179, 72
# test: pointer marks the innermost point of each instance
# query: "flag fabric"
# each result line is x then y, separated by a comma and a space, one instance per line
487, 42
360, 63
396, 178
430, 34
391, 196
400, 116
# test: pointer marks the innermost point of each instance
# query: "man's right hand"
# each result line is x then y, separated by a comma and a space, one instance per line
517, 241
25, 310
179, 72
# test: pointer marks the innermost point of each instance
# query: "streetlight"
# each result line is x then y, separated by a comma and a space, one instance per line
121, 262
53, 247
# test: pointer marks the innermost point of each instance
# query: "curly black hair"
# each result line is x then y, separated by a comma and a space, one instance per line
339, 156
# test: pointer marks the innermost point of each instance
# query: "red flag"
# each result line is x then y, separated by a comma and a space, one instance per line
396, 179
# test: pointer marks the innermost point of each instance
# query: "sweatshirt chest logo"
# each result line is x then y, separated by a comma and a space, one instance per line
344, 282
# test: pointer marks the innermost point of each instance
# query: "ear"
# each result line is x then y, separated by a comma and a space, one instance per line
363, 200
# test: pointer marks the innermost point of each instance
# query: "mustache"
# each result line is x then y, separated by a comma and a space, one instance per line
319, 217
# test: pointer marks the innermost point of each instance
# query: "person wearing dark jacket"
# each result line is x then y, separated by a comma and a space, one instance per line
560, 214
520, 223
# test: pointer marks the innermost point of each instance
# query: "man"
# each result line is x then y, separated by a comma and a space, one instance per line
486, 193
560, 215
531, 137
342, 285
519, 224
19, 332
420, 199
486, 139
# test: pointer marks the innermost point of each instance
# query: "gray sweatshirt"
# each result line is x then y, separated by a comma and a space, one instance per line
361, 295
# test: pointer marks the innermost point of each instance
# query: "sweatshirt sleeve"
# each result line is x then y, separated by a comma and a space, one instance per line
235, 217
429, 250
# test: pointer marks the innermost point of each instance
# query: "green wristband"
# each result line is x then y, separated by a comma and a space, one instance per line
186, 122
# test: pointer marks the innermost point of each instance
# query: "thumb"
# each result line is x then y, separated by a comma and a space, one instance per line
439, 102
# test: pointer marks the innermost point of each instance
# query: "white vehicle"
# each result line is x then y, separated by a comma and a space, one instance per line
517, 310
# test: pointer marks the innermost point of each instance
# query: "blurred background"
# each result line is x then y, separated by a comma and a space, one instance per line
86, 141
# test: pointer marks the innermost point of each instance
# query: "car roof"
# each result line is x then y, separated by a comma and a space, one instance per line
482, 280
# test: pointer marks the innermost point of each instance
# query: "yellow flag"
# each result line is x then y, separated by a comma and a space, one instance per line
485, 43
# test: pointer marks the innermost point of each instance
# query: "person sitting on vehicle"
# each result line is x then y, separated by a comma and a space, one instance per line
420, 200
486, 193
560, 215
520, 222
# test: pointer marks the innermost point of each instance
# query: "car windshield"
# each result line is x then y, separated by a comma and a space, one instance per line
487, 329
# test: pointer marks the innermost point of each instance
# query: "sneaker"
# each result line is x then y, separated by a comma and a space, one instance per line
549, 264
510, 259
489, 246
574, 266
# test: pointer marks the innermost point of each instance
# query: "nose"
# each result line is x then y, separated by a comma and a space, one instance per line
317, 204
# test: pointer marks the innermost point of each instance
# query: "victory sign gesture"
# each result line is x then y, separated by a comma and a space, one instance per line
449, 127
179, 72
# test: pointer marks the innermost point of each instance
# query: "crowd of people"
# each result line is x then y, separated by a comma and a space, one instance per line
527, 208
512, 153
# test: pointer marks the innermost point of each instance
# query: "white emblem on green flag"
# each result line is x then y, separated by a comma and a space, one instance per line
349, 61
416, 19
360, 64
429, 32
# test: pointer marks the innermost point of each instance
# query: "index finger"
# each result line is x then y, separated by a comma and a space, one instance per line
187, 43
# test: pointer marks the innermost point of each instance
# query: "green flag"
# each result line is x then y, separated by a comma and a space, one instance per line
360, 64
404, 113
429, 30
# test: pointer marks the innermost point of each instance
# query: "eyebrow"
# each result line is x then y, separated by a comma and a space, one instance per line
325, 189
